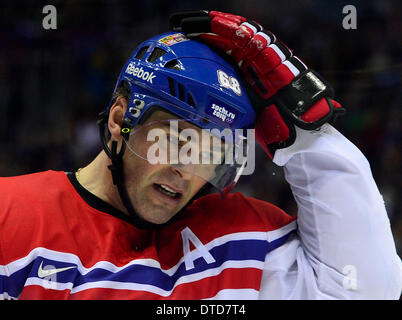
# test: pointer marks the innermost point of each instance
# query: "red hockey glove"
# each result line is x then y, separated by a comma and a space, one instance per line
282, 89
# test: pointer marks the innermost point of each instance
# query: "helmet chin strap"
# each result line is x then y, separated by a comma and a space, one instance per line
117, 171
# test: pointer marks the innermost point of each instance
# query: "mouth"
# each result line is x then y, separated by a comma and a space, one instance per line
168, 192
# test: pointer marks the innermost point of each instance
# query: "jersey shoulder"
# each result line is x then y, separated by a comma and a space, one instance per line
243, 210
27, 195
29, 208
24, 185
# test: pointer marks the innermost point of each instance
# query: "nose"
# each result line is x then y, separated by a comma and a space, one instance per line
183, 171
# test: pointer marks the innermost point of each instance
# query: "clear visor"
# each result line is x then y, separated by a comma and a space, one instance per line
216, 156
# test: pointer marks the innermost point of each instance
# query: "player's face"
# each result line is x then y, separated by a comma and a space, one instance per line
157, 191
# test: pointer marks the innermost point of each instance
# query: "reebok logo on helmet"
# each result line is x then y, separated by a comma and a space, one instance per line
140, 73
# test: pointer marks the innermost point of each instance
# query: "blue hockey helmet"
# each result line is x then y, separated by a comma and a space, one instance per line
192, 81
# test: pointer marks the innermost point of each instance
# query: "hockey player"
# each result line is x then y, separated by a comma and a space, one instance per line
125, 227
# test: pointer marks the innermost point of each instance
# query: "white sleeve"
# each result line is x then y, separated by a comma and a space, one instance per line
343, 248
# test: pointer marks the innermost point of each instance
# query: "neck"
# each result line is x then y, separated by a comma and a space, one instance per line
97, 179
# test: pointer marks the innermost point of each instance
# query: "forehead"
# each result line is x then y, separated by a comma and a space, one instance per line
163, 116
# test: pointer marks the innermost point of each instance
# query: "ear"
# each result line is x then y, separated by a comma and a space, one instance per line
116, 115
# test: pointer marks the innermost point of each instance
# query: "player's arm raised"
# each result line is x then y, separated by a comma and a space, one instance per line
345, 245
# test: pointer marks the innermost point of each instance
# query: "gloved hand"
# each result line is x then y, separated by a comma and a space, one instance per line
281, 87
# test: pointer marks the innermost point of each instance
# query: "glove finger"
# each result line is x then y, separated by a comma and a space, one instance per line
223, 26
202, 21
245, 32
259, 42
282, 75
270, 57
176, 18
216, 41
195, 25
228, 16
257, 49
268, 84
271, 129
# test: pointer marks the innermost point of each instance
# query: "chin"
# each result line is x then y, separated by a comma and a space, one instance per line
157, 220
158, 216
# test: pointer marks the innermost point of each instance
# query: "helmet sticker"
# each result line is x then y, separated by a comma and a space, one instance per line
173, 39
221, 112
229, 82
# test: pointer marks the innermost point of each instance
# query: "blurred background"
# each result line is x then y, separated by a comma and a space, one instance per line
53, 83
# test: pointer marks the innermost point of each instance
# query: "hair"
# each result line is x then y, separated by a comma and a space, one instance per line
122, 90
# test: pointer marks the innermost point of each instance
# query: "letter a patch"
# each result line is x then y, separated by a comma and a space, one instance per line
200, 251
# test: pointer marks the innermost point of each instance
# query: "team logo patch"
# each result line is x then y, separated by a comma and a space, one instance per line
173, 39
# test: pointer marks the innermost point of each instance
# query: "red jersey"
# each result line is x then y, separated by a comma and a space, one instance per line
58, 241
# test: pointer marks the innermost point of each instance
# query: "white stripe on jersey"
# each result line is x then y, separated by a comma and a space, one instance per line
74, 259
47, 284
278, 233
14, 266
144, 287
184, 279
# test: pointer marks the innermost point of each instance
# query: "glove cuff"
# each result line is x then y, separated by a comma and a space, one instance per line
273, 130
305, 101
